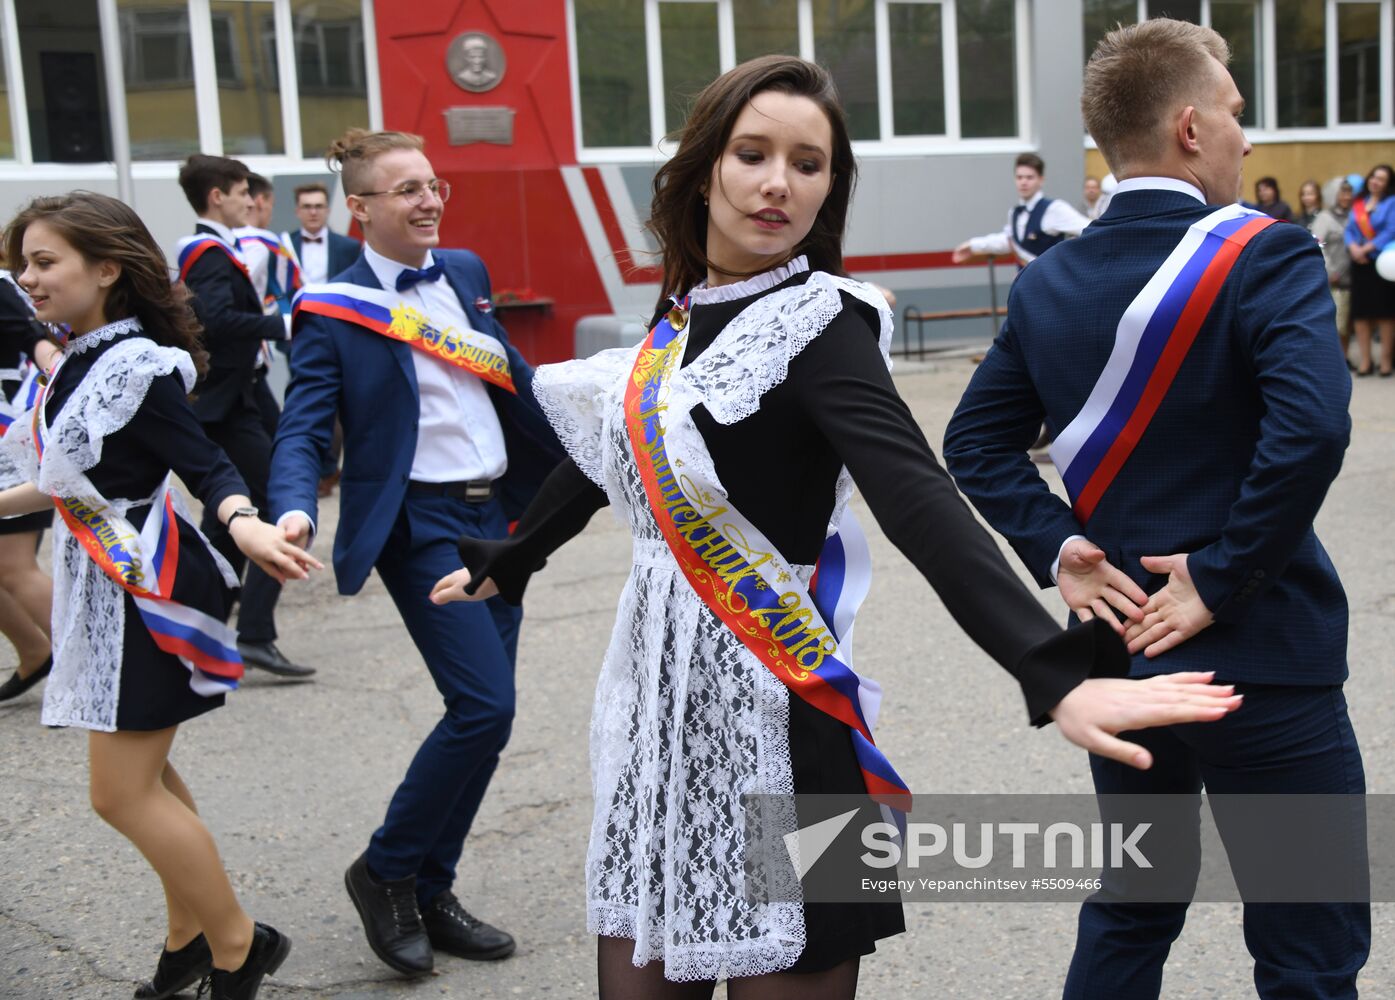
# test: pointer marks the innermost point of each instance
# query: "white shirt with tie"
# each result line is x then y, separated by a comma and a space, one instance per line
458, 433
1059, 219
314, 256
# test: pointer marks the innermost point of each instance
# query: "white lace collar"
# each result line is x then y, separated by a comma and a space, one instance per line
703, 295
80, 343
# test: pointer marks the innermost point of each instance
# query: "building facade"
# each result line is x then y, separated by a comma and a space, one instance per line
548, 116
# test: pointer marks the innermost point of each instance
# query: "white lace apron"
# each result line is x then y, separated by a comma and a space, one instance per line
686, 720
89, 609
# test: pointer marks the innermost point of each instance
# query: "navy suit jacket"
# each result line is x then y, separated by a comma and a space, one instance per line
234, 327
1235, 463
370, 381
343, 251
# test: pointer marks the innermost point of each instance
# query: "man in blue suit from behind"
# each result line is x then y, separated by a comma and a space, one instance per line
432, 451
1192, 500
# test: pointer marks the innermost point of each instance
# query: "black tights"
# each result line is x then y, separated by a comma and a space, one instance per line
620, 980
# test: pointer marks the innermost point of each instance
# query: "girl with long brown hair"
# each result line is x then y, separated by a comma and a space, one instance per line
765, 395
138, 648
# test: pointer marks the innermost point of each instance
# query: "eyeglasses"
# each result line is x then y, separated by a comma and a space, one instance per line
413, 192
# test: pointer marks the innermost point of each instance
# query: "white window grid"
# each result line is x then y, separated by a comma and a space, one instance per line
205, 78
1268, 129
889, 143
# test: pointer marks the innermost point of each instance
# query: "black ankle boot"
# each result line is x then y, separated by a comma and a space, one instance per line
178, 970
269, 949
17, 685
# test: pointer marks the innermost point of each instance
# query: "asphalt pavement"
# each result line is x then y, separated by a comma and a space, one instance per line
293, 778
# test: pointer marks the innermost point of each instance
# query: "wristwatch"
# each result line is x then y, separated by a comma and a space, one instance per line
242, 512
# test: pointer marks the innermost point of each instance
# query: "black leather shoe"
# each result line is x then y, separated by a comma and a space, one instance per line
17, 685
178, 970
265, 656
454, 930
388, 910
269, 949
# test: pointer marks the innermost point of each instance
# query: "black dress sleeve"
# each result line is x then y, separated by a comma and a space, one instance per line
166, 427
563, 504
844, 386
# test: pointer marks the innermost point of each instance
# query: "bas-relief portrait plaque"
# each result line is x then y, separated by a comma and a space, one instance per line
475, 62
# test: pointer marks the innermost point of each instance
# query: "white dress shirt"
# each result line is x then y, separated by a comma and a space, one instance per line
257, 256
314, 257
1059, 219
458, 433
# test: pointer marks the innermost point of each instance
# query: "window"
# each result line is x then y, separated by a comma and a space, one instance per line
1103, 16
1358, 63
926, 70
249, 95
688, 54
238, 77
1300, 50
1300, 64
1237, 21
987, 72
845, 43
330, 70
7, 135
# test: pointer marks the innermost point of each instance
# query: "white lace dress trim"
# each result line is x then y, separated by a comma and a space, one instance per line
89, 610
686, 720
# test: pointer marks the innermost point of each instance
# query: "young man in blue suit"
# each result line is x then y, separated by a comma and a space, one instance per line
442, 438
321, 252
1185, 347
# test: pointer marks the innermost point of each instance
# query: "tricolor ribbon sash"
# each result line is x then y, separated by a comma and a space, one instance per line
191, 248
1362, 215
145, 564
739, 575
283, 272
385, 313
1152, 340
28, 376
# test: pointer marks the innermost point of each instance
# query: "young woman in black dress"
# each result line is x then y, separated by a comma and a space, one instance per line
784, 382
114, 423
26, 592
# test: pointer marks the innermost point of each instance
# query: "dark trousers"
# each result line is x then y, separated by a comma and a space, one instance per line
470, 651
1294, 740
246, 433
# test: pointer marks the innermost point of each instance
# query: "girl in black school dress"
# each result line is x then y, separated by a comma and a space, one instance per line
785, 377
116, 423
26, 592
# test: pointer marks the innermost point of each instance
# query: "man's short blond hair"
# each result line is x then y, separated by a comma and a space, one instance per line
353, 154
1139, 77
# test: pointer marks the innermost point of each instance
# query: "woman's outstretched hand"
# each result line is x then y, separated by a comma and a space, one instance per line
1093, 713
267, 546
452, 588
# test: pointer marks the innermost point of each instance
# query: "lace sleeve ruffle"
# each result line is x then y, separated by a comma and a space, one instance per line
576, 397
104, 402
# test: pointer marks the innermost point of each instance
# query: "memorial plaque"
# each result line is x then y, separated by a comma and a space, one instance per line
475, 62
467, 125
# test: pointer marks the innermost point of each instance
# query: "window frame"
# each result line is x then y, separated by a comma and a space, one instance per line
888, 144
206, 86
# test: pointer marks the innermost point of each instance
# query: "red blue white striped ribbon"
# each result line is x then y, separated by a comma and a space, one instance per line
1151, 342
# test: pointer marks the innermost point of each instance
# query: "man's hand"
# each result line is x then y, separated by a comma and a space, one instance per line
1095, 711
1091, 586
452, 588
1174, 614
962, 253
297, 531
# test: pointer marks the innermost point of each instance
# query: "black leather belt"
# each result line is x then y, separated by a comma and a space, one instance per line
471, 491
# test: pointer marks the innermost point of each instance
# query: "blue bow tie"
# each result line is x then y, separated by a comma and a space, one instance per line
411, 275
